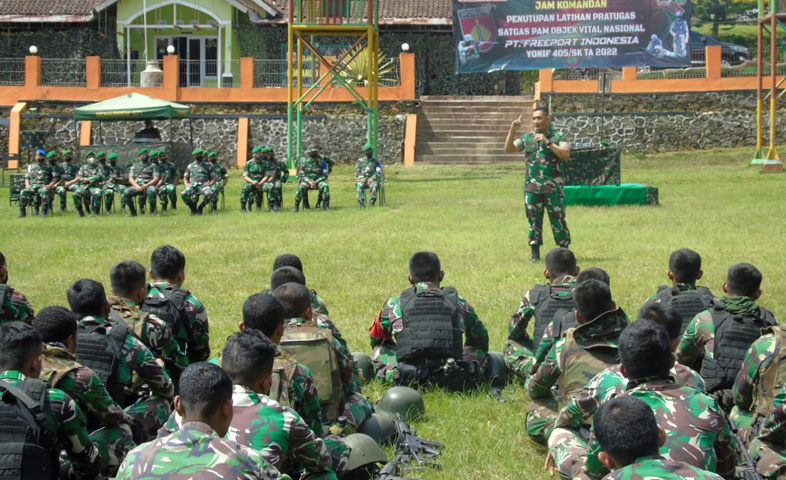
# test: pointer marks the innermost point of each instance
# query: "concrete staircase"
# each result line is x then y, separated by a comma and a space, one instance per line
469, 129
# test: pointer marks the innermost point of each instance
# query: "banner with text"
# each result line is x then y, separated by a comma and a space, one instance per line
493, 35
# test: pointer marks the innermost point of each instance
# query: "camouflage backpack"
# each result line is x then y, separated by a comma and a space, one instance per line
773, 376
284, 367
313, 347
582, 362
55, 368
135, 320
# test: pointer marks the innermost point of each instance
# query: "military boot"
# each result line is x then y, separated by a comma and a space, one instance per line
86, 204
131, 209
36, 210
174, 202
22, 212
306, 204
373, 201
163, 209
79, 210
297, 206
152, 209
243, 207
326, 204
201, 207
362, 202
535, 254
45, 209
141, 208
62, 205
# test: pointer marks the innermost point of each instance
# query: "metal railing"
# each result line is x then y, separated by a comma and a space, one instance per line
332, 12
63, 72
586, 73
13, 71
121, 73
232, 81
270, 73
752, 71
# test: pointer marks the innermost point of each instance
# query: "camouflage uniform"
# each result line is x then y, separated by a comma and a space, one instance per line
317, 304
198, 175
142, 173
697, 432
389, 323
193, 336
15, 306
88, 187
768, 449
293, 386
310, 170
568, 441
255, 170
659, 467
366, 169
154, 333
278, 433
275, 189
138, 366
70, 171
114, 439
221, 175
195, 452
544, 188
39, 175
581, 353
355, 406
167, 188
65, 419
518, 349
116, 181
57, 178
762, 375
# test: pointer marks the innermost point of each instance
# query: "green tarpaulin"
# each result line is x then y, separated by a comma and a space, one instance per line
132, 106
624, 194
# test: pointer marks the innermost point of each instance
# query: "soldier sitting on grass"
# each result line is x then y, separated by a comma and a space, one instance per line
630, 438
198, 451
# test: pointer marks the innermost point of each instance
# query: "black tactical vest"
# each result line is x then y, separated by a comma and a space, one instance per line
101, 353
562, 322
546, 305
27, 444
734, 335
686, 303
171, 310
431, 326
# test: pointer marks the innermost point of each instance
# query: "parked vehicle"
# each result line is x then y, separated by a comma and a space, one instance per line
731, 54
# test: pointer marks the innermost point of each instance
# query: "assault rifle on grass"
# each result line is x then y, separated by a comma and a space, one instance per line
410, 449
746, 467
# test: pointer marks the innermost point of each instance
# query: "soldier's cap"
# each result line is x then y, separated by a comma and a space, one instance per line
51, 154
101, 154
141, 151
40, 151
154, 153
197, 151
89, 152
367, 147
257, 149
66, 152
162, 153
211, 154
112, 156
312, 148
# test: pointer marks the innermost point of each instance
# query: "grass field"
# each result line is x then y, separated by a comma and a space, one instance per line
473, 217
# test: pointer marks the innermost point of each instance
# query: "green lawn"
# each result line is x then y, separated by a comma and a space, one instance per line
474, 218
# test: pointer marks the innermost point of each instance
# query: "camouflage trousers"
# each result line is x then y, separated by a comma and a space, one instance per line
770, 459
356, 408
191, 194
569, 449
148, 195
61, 191
87, 194
113, 444
304, 187
339, 454
167, 193
518, 358
151, 413
554, 204
745, 421
252, 193
33, 195
217, 188
361, 188
274, 191
109, 194
541, 416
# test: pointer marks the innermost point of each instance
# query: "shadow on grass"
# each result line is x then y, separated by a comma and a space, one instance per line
452, 179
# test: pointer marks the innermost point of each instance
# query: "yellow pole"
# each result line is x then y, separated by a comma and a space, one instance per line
772, 163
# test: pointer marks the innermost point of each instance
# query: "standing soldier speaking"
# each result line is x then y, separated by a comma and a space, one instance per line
546, 149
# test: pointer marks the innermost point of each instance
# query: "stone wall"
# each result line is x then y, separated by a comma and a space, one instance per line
666, 131
341, 138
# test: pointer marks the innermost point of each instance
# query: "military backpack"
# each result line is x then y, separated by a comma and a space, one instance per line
171, 309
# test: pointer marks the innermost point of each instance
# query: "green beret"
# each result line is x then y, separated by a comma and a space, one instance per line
211, 154
162, 153
144, 150
66, 152
256, 149
154, 153
112, 156
197, 151
51, 154
367, 147
89, 152
101, 154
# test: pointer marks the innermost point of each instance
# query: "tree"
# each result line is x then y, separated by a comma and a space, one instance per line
715, 11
